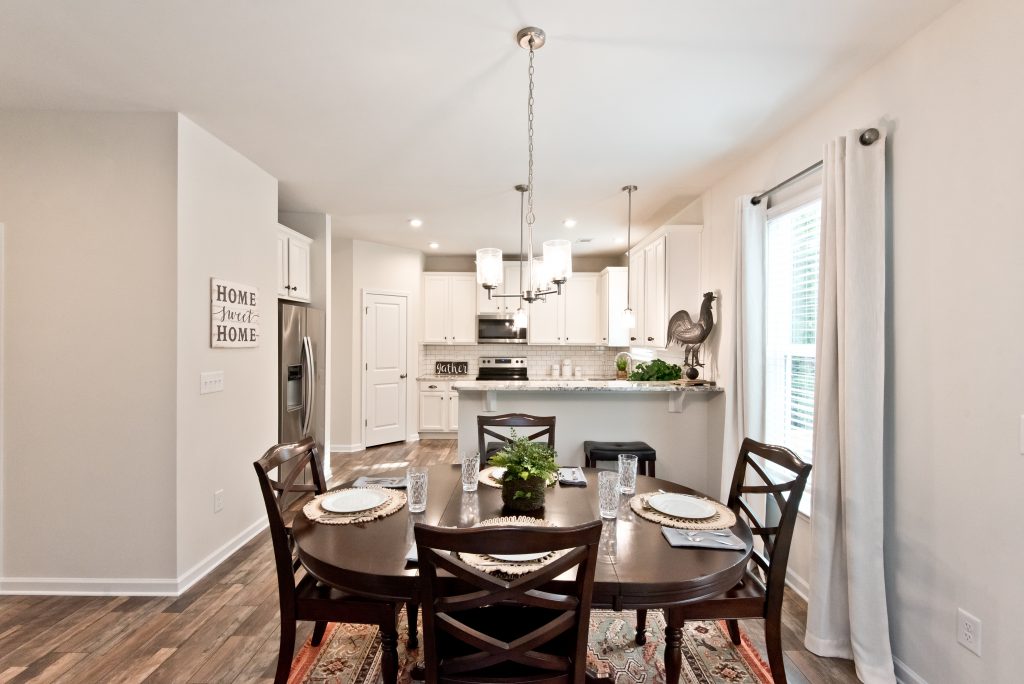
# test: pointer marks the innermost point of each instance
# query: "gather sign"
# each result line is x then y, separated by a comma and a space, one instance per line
234, 316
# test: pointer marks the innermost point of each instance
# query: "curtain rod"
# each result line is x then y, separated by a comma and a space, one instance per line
868, 137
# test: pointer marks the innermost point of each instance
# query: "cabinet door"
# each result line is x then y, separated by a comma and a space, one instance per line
580, 307
618, 335
298, 268
544, 321
655, 316
435, 309
282, 265
636, 296
512, 286
602, 308
432, 411
462, 314
453, 411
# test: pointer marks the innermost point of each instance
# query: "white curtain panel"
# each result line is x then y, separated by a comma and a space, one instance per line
745, 391
846, 613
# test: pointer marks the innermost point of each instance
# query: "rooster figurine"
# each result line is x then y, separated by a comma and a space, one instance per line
691, 334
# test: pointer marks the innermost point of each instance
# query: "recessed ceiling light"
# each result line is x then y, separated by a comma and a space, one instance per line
620, 240
569, 223
416, 223
434, 245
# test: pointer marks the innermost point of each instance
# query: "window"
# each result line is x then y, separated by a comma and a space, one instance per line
791, 317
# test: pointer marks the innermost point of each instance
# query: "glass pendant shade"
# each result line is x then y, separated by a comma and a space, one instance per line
519, 318
628, 318
489, 269
541, 279
558, 259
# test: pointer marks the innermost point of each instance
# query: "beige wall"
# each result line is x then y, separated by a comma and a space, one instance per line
89, 347
952, 103
342, 408
227, 218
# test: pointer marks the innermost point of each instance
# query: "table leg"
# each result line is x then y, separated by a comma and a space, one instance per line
673, 646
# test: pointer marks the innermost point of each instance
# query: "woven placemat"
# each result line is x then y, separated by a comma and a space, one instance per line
506, 569
313, 510
486, 477
722, 518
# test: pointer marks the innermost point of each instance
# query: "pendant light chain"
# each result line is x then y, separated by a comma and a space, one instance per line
530, 217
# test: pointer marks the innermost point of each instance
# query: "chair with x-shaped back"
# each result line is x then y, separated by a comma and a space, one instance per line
485, 425
481, 628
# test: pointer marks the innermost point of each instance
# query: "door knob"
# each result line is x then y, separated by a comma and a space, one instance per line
403, 376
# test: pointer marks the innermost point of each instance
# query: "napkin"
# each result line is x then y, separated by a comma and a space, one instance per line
572, 477
393, 482
411, 555
702, 539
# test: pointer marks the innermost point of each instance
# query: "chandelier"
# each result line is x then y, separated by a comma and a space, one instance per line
545, 275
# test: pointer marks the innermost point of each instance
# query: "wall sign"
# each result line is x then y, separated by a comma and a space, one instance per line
451, 367
234, 316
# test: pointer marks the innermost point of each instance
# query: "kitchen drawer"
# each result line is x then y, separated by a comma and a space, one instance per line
435, 385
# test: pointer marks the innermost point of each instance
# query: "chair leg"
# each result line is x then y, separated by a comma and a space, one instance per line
773, 643
641, 626
412, 609
287, 652
389, 650
734, 631
650, 469
318, 633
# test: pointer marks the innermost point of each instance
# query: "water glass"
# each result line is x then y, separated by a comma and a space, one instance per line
470, 471
608, 493
417, 489
627, 473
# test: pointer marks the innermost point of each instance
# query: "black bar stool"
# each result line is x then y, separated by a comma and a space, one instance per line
609, 451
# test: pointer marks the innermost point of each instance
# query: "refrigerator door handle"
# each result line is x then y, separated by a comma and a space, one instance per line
309, 373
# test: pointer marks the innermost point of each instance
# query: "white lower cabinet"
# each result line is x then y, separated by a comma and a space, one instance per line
439, 407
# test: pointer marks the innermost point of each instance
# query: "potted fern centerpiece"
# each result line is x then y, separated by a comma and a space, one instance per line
529, 466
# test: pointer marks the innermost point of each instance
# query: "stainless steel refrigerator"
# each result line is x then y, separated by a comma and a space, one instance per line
301, 338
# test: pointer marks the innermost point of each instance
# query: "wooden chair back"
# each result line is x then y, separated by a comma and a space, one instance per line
776, 539
545, 425
291, 461
550, 643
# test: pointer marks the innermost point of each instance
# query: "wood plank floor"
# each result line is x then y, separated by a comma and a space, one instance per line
225, 628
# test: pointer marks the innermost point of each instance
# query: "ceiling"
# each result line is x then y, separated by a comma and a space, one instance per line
380, 111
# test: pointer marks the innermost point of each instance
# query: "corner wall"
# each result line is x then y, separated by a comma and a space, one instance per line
88, 200
951, 101
227, 223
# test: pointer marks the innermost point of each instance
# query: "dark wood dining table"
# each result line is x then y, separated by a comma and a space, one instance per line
637, 568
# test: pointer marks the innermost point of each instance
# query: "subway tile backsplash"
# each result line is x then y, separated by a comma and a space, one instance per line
596, 362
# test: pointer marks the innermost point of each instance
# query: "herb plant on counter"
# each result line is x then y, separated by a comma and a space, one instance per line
656, 370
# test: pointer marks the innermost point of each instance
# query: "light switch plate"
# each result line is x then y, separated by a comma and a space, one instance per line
211, 381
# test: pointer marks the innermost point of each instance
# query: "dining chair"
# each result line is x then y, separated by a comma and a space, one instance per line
481, 628
302, 597
484, 425
759, 594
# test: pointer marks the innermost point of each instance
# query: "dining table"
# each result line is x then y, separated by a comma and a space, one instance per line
637, 568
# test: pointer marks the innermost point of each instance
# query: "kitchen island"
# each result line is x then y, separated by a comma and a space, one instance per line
672, 418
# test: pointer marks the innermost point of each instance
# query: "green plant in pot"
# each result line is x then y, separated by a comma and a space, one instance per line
529, 466
621, 365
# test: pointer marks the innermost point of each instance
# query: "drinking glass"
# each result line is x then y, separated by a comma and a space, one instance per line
608, 493
627, 473
417, 483
470, 471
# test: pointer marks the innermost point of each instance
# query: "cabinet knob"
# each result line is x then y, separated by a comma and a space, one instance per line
632, 339
431, 386
650, 339
403, 376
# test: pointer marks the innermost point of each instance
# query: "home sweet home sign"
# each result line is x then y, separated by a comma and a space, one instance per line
234, 316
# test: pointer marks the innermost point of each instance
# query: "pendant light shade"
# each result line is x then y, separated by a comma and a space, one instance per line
489, 269
558, 260
540, 279
628, 318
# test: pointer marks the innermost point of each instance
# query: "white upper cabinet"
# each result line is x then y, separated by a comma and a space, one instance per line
611, 328
449, 308
664, 278
501, 305
293, 277
544, 325
637, 280
579, 308
655, 316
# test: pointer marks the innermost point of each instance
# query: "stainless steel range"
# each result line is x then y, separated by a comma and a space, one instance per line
502, 368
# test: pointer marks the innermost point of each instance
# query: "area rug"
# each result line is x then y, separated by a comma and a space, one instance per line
350, 654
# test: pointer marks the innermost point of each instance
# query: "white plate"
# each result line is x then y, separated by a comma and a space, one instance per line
518, 557
495, 473
681, 506
353, 500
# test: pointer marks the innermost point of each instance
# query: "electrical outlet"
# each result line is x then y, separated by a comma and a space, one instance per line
968, 631
211, 381
218, 501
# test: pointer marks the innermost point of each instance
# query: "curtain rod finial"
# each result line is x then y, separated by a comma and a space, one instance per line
870, 136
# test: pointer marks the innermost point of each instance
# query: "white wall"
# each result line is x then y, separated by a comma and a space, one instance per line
952, 103
227, 217
88, 200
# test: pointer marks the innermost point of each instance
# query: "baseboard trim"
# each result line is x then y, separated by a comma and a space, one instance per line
798, 584
346, 448
129, 586
438, 435
203, 567
904, 675
413, 437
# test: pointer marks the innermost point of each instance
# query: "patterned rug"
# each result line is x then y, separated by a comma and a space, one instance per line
350, 654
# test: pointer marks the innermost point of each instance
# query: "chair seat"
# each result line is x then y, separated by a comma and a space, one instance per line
609, 451
746, 599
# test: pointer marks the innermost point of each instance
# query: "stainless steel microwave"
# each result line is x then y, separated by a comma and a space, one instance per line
498, 329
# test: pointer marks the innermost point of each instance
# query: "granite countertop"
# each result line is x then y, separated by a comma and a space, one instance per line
566, 385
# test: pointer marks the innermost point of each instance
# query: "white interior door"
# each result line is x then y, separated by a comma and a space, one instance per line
385, 345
